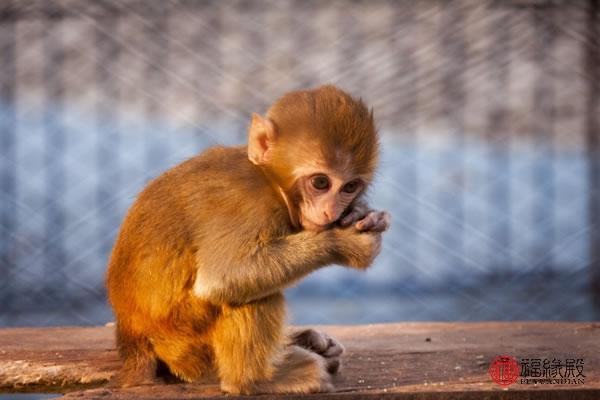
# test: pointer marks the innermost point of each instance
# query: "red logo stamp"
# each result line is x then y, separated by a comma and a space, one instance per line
504, 370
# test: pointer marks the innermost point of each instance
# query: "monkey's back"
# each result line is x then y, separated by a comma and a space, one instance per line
205, 207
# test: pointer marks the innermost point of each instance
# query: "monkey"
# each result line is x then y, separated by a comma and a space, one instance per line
197, 272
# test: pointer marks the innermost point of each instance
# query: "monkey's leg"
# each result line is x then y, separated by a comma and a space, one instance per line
182, 342
247, 340
252, 357
139, 360
321, 343
186, 353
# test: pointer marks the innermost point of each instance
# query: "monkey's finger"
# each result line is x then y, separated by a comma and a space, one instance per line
355, 215
368, 222
332, 365
323, 344
334, 348
375, 221
311, 339
383, 222
347, 220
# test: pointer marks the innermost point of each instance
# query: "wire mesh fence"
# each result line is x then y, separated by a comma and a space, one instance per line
488, 112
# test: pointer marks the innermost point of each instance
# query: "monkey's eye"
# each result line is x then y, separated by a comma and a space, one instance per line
351, 186
320, 182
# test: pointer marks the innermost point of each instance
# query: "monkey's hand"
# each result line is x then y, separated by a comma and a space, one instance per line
365, 219
322, 344
355, 248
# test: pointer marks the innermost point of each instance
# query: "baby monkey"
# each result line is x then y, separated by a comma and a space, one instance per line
197, 272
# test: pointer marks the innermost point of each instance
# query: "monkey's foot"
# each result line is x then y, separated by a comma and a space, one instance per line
322, 344
299, 371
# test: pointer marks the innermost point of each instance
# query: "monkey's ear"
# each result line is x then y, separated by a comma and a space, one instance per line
261, 138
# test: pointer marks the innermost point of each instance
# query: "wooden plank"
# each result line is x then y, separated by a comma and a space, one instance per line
406, 360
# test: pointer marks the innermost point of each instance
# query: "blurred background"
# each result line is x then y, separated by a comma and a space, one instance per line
489, 113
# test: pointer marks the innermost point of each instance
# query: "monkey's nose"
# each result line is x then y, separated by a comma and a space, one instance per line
329, 215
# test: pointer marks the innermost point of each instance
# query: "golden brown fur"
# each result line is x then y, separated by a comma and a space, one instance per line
197, 272
328, 122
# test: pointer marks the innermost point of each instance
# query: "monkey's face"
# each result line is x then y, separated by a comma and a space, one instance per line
320, 148
323, 196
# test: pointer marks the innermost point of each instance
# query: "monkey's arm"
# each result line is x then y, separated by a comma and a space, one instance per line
280, 262
272, 266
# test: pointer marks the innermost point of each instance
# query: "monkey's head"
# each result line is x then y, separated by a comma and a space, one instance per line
320, 148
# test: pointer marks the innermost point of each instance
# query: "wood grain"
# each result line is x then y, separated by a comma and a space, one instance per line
404, 360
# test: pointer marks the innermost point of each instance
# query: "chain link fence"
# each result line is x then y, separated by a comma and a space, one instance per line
488, 112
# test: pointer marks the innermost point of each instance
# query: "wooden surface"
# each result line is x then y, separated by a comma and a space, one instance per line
407, 360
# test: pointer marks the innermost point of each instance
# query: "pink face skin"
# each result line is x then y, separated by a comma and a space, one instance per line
325, 196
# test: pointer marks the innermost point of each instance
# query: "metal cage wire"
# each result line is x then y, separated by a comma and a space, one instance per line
488, 112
